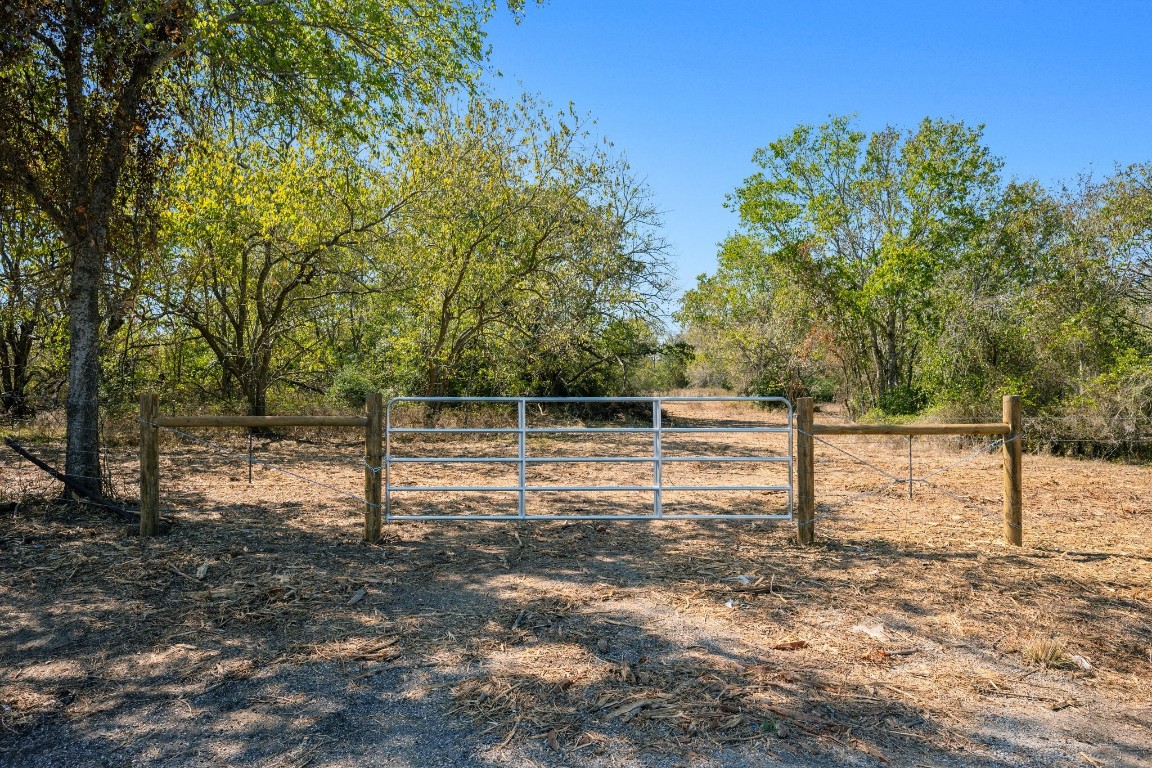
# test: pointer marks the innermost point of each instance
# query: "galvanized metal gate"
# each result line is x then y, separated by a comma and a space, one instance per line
523, 460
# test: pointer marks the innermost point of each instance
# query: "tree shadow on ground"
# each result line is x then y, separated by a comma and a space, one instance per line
466, 644
476, 644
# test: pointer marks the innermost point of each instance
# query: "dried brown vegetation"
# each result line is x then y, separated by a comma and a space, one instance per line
260, 631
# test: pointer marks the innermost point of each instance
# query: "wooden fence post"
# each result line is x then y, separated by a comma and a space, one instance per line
805, 473
372, 471
149, 465
1013, 452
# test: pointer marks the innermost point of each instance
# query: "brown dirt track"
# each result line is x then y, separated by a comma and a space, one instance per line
260, 631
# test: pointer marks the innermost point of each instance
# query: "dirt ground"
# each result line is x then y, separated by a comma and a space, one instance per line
261, 631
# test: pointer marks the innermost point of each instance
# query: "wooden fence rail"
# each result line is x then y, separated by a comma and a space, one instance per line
260, 421
1012, 452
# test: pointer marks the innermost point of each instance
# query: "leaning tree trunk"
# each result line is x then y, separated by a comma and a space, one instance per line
83, 404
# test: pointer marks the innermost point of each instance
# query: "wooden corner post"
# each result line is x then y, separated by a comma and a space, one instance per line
149, 465
372, 470
1013, 470
805, 473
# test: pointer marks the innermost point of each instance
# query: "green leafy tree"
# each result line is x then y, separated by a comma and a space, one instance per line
267, 236
1125, 203
994, 309
88, 88
1055, 312
520, 245
865, 226
750, 332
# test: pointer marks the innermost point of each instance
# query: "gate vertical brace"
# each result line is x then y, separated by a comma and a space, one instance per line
372, 469
149, 465
1013, 453
657, 463
522, 425
387, 462
791, 463
805, 473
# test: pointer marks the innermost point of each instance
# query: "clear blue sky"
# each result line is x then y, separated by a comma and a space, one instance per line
687, 90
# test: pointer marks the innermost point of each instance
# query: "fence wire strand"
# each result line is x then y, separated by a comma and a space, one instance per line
855, 458
266, 464
825, 509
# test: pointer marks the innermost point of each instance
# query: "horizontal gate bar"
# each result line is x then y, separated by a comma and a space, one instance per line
677, 399
512, 430
452, 460
784, 459
510, 518
605, 488
457, 430
577, 430
576, 459
726, 429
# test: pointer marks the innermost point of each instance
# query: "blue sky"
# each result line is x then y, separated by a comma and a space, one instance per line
687, 90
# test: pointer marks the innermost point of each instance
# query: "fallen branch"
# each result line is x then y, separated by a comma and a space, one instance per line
90, 496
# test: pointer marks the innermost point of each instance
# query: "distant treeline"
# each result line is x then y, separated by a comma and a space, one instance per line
499, 249
496, 248
898, 272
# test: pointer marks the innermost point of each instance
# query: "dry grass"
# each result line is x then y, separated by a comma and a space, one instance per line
900, 636
1047, 653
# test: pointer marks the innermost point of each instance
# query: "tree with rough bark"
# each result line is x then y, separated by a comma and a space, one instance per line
88, 87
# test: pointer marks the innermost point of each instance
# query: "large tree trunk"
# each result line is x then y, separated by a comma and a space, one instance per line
433, 381
892, 355
83, 405
7, 377
257, 378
